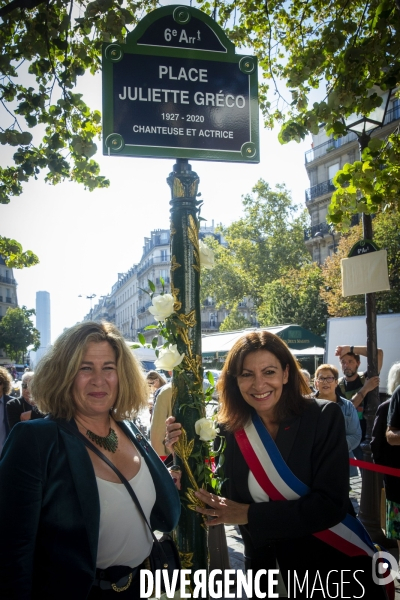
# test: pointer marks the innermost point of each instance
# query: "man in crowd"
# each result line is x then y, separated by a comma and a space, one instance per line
354, 385
23, 408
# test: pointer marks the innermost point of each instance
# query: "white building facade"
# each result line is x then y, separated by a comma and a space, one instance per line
325, 158
128, 303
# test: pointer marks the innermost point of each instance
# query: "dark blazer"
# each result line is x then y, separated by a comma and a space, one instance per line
5, 400
15, 408
383, 453
50, 510
314, 447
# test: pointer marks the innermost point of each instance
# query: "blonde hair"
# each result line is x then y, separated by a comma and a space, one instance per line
56, 372
5, 379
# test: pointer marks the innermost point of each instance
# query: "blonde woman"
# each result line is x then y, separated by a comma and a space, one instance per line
69, 527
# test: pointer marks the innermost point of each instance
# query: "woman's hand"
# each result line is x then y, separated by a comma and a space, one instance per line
26, 416
172, 433
223, 510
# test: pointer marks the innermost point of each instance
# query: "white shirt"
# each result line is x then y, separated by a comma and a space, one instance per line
124, 538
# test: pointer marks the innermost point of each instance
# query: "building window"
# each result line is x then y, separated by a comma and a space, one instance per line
164, 256
333, 169
396, 108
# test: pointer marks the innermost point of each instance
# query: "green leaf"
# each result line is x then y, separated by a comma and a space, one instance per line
151, 285
142, 339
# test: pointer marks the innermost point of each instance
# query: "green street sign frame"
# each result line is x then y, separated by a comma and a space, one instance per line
176, 89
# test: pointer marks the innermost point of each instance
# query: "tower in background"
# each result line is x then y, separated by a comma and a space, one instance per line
43, 323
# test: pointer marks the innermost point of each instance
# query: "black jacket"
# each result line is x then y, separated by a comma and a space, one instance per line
15, 408
50, 510
314, 446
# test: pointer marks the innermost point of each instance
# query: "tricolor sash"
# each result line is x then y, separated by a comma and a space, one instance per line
279, 482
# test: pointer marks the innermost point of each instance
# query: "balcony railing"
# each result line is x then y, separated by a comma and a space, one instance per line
392, 115
142, 309
10, 280
325, 187
153, 261
328, 146
325, 229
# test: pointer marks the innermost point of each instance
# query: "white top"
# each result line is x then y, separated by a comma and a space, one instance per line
124, 538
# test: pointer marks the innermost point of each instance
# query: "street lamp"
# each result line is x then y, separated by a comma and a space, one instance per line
89, 298
363, 126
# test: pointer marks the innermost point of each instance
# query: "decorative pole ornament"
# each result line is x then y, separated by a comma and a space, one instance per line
187, 386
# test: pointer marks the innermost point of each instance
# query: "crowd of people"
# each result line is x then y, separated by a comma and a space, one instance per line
69, 527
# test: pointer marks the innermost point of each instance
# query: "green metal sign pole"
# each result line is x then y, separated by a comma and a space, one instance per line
187, 386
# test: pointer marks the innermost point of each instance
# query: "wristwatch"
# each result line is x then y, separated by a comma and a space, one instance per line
351, 349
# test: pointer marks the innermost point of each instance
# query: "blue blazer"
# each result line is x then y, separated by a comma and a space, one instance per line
50, 511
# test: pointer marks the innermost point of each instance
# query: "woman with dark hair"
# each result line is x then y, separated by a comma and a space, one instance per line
286, 468
69, 527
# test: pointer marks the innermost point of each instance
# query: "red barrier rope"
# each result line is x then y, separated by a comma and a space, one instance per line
362, 464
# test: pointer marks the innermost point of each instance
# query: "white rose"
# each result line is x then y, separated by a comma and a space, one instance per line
163, 306
168, 358
206, 256
205, 429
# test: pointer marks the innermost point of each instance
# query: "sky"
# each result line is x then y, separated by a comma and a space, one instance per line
84, 239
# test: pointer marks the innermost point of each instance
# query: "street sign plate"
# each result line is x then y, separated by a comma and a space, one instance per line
363, 247
177, 89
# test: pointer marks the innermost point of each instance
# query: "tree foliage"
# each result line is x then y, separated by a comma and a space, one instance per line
338, 47
14, 256
46, 47
17, 332
386, 228
261, 246
370, 184
44, 50
295, 298
234, 321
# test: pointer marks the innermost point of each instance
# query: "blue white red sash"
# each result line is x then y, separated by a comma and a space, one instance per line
277, 480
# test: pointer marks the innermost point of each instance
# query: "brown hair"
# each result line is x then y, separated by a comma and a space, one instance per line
234, 412
331, 368
56, 372
5, 379
154, 375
